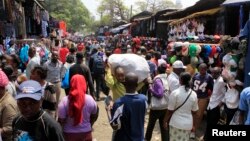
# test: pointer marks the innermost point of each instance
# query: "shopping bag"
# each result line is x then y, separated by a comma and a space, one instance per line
235, 119
65, 81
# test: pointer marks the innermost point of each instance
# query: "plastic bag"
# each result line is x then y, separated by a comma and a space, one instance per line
235, 119
65, 81
130, 63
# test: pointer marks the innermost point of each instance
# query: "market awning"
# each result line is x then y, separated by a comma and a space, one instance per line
119, 28
209, 12
235, 2
143, 18
163, 21
38, 3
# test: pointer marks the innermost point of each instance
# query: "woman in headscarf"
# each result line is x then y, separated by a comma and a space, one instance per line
78, 111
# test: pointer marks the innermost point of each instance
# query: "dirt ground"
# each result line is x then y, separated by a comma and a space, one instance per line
102, 131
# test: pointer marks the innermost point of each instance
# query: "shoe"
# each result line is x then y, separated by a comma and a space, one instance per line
192, 135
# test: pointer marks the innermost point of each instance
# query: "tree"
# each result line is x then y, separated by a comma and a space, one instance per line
154, 5
73, 12
112, 11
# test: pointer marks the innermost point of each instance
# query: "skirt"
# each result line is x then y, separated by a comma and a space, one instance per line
176, 134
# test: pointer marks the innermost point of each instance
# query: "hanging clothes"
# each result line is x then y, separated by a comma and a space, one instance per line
44, 15
9, 7
44, 28
9, 30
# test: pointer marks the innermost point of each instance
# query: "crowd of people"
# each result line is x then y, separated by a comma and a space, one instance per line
32, 78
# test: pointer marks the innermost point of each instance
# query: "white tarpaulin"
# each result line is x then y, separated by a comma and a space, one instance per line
235, 2
117, 29
130, 63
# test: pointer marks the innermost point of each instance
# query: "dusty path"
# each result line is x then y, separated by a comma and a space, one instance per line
103, 132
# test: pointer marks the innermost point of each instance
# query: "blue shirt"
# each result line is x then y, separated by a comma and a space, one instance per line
201, 85
129, 113
245, 33
152, 67
244, 104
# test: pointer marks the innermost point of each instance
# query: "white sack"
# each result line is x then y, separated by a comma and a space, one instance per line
130, 63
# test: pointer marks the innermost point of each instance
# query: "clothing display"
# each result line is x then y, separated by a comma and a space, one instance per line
44, 28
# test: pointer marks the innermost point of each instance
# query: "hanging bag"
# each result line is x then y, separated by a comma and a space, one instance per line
235, 119
161, 103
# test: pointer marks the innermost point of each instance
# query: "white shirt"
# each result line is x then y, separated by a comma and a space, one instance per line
182, 118
218, 93
173, 82
11, 88
232, 98
32, 63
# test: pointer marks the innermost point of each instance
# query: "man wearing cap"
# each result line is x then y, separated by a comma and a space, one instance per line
8, 108
33, 123
173, 78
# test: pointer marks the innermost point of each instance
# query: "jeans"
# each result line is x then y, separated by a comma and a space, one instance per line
153, 116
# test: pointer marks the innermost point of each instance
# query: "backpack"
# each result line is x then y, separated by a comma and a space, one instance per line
161, 103
65, 80
98, 64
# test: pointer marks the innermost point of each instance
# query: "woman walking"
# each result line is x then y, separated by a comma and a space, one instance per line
78, 111
182, 107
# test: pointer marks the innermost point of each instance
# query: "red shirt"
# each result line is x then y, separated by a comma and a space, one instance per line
63, 53
117, 51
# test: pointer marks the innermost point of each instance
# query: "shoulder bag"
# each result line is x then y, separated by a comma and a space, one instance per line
180, 105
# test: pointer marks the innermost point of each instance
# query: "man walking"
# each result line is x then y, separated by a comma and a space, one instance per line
34, 123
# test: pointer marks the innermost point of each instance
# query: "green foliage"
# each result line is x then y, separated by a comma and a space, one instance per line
73, 12
112, 11
154, 5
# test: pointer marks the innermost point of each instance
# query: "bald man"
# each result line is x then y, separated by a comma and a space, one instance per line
215, 101
128, 112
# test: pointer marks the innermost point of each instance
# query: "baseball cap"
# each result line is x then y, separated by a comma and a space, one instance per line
178, 65
161, 61
185, 48
30, 89
192, 50
4, 81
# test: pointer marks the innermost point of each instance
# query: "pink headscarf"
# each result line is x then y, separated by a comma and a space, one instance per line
3, 79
